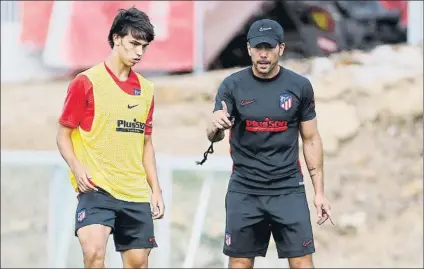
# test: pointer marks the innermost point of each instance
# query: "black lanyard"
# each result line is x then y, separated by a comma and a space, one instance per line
210, 149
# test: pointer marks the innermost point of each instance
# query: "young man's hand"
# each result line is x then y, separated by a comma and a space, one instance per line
83, 178
158, 206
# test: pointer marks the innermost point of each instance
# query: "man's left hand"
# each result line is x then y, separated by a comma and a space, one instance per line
158, 206
323, 209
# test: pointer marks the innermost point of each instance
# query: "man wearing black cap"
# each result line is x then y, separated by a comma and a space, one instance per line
269, 105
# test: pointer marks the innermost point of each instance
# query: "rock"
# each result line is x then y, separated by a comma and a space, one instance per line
361, 197
299, 66
338, 119
330, 144
412, 189
393, 130
379, 75
368, 87
366, 80
401, 81
189, 88
350, 224
417, 167
381, 55
408, 57
355, 57
403, 103
366, 109
321, 65
330, 86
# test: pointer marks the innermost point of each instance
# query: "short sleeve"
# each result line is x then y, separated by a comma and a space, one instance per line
224, 94
149, 120
307, 111
75, 102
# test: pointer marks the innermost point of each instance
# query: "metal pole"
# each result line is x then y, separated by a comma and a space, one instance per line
199, 221
61, 219
164, 225
198, 37
415, 22
53, 227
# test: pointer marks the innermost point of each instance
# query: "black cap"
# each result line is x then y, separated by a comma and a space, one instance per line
265, 31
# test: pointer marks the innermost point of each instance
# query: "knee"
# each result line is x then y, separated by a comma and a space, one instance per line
301, 262
94, 256
137, 263
241, 263
136, 259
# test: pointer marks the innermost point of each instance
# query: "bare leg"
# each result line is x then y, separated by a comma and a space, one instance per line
301, 262
241, 262
136, 258
93, 239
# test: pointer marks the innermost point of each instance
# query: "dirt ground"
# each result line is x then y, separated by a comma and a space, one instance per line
373, 176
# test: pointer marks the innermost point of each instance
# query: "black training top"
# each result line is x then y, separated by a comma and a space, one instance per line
264, 139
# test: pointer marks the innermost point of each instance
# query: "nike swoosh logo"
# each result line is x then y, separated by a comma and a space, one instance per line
264, 29
130, 107
306, 243
245, 103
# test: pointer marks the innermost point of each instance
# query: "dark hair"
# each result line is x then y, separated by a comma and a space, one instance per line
132, 21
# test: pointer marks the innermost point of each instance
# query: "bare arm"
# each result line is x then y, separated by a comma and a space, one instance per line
72, 114
149, 163
313, 152
64, 144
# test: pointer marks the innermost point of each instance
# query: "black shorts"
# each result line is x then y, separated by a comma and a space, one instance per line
250, 220
131, 223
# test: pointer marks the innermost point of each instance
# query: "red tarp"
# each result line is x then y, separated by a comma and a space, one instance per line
85, 39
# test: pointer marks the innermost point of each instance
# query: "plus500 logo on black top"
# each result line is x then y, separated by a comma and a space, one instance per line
130, 126
266, 126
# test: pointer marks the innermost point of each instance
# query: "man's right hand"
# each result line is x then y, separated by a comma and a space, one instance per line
83, 178
221, 120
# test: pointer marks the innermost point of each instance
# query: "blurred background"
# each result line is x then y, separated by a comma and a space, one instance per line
364, 59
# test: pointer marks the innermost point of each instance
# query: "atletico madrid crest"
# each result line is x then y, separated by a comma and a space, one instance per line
81, 215
286, 101
228, 239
